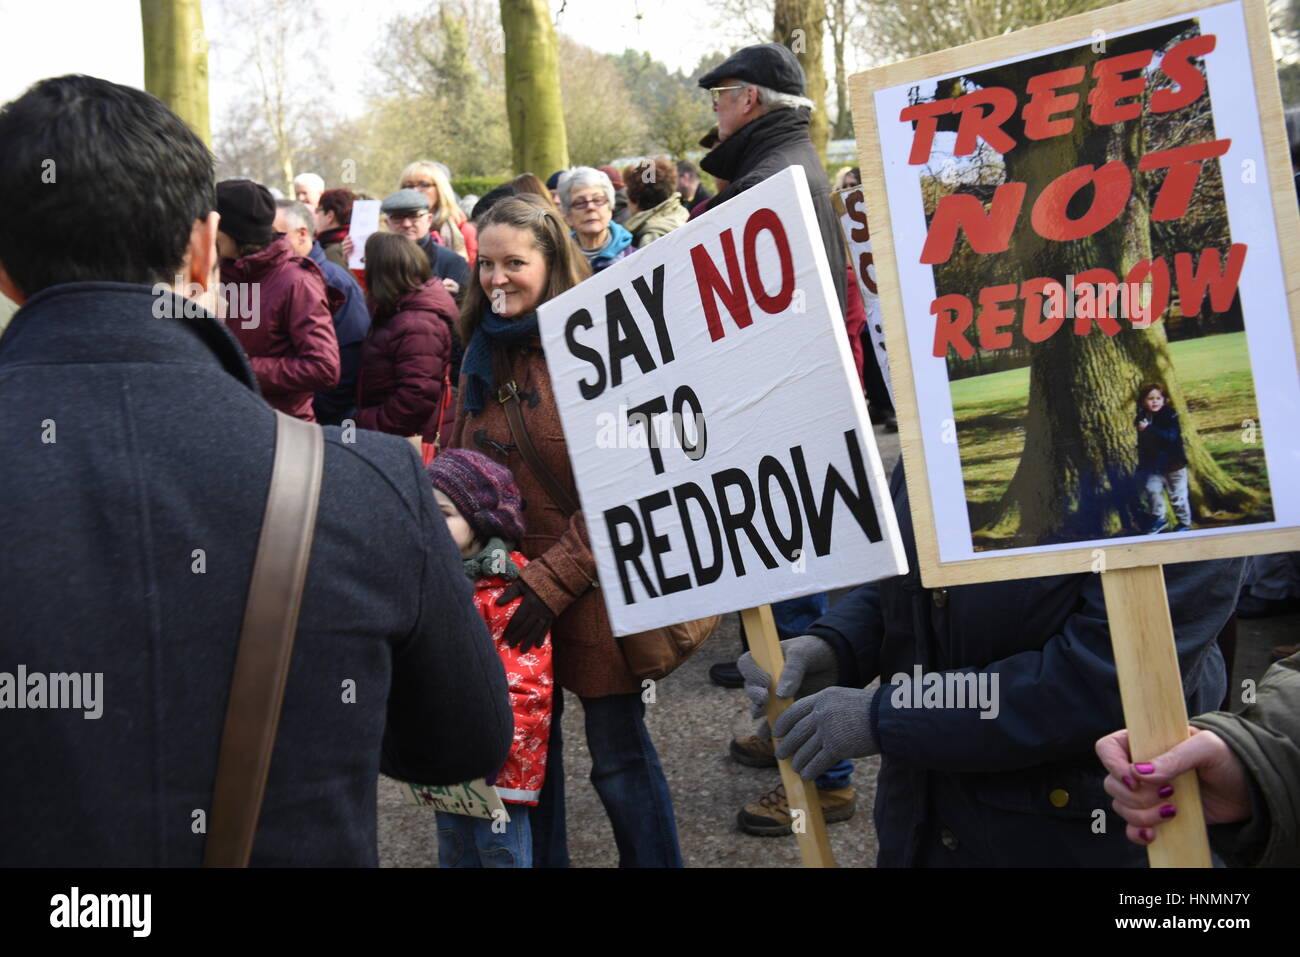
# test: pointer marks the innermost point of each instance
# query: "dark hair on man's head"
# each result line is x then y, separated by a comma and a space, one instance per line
339, 202
686, 166
650, 181
490, 199
395, 266
98, 181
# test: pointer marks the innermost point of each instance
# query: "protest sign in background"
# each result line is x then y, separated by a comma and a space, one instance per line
851, 207
718, 435
1059, 217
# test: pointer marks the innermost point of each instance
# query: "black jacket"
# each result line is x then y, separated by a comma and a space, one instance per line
134, 477
766, 146
1021, 789
1160, 444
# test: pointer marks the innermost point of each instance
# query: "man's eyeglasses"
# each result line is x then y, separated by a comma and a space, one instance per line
408, 217
596, 201
717, 91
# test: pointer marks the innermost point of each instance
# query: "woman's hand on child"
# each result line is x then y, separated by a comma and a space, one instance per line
531, 621
1142, 424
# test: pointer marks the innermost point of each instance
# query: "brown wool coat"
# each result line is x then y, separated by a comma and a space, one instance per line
561, 569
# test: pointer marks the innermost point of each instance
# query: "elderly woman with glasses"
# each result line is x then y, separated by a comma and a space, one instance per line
587, 200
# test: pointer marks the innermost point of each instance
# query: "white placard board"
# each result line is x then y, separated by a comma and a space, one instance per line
853, 223
766, 484
365, 221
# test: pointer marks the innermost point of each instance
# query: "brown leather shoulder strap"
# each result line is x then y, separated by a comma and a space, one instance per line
266, 642
508, 395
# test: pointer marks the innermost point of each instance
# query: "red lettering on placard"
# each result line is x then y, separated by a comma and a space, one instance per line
711, 285
1177, 65
760, 220
1221, 283
1112, 184
986, 232
1184, 164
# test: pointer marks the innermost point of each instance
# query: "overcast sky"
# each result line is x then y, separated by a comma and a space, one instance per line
102, 37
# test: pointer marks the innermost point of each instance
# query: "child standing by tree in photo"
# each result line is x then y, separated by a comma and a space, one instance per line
483, 509
1162, 463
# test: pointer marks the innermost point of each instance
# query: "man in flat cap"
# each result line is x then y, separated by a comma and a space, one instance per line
407, 212
763, 117
277, 304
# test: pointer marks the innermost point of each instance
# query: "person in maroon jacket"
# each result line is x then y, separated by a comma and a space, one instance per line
277, 306
405, 359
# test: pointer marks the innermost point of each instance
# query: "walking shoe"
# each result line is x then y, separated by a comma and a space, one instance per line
754, 752
1182, 528
1277, 654
769, 816
726, 675
1158, 527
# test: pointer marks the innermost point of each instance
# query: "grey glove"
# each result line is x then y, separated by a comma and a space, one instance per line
824, 729
810, 666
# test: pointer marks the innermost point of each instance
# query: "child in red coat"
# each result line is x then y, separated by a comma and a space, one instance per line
483, 509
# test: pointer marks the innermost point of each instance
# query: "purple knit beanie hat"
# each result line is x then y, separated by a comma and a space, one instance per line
483, 490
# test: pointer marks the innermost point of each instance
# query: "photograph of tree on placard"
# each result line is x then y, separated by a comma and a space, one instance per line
1102, 387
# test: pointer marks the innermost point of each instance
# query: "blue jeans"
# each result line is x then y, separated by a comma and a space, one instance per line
794, 615
471, 842
626, 773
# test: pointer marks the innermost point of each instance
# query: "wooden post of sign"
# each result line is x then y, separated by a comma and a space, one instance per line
765, 646
1155, 712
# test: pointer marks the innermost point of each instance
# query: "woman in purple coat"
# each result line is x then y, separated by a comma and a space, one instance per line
405, 358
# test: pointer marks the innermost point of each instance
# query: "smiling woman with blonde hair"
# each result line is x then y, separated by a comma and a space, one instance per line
452, 228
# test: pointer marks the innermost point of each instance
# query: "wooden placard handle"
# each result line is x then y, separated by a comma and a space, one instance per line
1155, 711
765, 645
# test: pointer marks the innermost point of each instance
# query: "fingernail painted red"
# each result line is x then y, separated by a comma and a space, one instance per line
1165, 791
1168, 811
1146, 835
1145, 768
1128, 783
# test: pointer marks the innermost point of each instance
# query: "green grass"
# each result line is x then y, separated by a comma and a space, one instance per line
1215, 375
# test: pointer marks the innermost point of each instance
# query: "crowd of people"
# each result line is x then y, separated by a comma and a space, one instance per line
451, 596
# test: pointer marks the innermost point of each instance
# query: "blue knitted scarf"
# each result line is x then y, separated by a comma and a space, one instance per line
493, 331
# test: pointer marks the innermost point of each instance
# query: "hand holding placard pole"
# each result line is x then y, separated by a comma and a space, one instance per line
1155, 711
765, 646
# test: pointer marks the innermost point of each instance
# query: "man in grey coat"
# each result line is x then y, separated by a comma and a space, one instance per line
137, 461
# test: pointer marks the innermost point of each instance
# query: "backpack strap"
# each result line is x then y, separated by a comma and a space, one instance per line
265, 642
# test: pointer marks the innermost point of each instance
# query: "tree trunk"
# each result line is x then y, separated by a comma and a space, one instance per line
799, 24
839, 29
1076, 479
176, 60
533, 102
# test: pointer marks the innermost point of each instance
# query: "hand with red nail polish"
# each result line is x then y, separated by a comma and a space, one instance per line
1141, 791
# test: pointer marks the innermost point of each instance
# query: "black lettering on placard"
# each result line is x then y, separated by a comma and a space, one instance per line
742, 520
643, 415
659, 543
625, 339
628, 553
720, 516
690, 491
582, 318
860, 504
652, 298
684, 396
768, 469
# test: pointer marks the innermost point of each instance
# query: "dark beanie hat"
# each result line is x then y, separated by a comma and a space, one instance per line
247, 211
483, 490
553, 181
